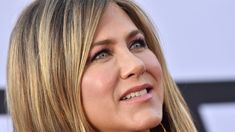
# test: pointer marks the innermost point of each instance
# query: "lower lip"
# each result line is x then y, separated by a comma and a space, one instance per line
139, 99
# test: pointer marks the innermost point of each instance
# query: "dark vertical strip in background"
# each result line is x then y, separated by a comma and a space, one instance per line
2, 102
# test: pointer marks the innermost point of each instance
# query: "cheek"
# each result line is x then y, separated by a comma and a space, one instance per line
152, 65
97, 88
154, 69
97, 92
96, 82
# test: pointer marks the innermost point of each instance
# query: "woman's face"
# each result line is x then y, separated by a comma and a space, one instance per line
122, 84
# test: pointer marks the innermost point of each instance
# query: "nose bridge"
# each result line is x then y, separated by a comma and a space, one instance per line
130, 65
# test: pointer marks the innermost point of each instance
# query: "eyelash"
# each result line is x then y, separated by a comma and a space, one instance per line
139, 41
107, 51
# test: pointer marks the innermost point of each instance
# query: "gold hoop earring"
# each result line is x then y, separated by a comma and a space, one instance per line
164, 129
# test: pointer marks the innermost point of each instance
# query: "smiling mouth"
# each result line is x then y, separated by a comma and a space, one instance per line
135, 94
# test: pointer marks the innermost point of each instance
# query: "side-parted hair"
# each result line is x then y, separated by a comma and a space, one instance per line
48, 51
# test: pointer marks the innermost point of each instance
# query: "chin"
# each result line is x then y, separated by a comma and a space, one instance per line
147, 123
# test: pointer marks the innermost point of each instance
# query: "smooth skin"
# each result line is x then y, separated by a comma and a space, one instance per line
119, 62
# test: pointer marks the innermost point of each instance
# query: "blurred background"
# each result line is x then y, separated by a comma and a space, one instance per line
198, 40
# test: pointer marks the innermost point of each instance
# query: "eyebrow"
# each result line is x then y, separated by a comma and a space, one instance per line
110, 41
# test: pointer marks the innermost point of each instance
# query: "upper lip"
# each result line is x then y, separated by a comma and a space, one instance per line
136, 88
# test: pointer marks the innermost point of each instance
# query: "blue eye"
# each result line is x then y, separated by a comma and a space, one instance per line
138, 44
101, 55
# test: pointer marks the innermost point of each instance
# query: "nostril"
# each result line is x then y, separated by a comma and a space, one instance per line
132, 74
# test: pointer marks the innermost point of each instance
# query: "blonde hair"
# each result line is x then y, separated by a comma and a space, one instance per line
47, 57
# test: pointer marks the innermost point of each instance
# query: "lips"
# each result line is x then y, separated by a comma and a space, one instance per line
137, 91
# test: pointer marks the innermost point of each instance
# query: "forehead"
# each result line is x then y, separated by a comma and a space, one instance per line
113, 21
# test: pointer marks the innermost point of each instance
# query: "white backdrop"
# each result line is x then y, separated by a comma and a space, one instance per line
198, 37
9, 11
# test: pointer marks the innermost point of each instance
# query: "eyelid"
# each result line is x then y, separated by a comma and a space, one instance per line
139, 40
93, 57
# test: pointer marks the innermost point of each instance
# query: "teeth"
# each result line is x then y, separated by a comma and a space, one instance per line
135, 94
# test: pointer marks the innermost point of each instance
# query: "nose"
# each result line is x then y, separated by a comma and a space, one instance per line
131, 66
